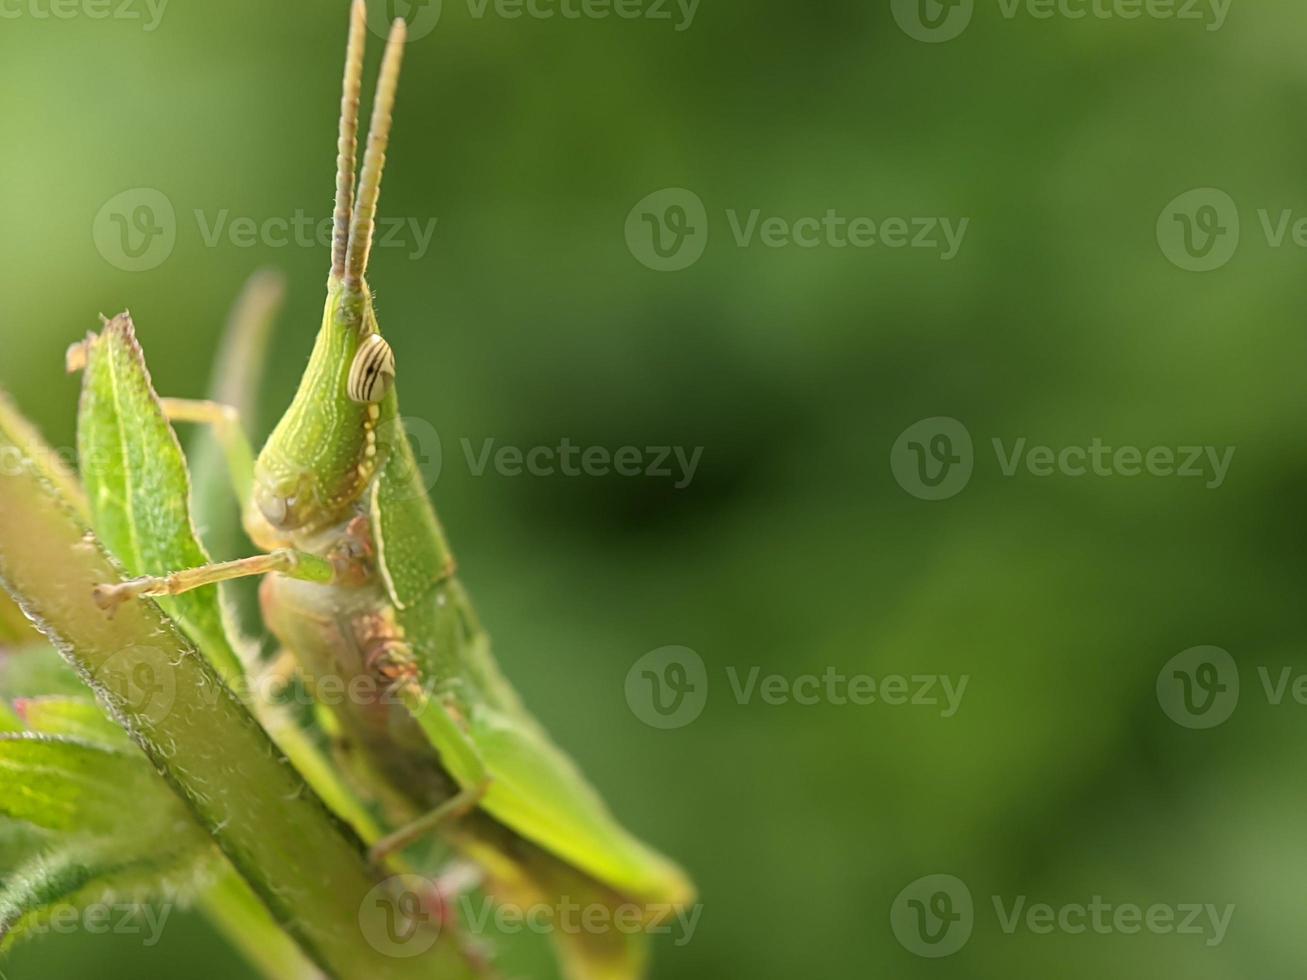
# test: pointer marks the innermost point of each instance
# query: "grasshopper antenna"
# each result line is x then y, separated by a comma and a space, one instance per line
374, 160
347, 146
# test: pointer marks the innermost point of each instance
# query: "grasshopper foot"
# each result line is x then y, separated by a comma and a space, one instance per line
110, 597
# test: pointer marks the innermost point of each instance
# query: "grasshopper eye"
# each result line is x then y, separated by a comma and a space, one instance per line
373, 371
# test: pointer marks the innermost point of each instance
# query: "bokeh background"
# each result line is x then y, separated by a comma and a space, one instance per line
1066, 314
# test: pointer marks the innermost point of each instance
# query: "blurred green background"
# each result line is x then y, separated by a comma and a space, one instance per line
1064, 316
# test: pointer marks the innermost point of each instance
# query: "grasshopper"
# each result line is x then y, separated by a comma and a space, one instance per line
358, 581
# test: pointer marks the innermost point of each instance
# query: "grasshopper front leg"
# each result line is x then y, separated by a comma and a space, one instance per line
285, 561
230, 434
225, 422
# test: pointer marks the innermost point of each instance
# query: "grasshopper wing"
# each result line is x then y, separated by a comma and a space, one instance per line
534, 787
538, 791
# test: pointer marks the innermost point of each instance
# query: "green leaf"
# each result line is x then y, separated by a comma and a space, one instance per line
52, 888
37, 670
9, 720
75, 717
19, 843
138, 485
71, 786
120, 833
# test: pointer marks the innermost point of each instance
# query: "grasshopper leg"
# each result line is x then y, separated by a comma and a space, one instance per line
227, 429
450, 811
296, 564
460, 757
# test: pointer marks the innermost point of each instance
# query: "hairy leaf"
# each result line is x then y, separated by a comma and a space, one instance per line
38, 670
74, 717
72, 786
138, 485
19, 843
52, 890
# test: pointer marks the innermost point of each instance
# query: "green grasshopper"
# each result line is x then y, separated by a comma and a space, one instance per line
359, 581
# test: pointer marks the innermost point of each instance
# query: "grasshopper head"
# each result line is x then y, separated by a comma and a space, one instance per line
323, 455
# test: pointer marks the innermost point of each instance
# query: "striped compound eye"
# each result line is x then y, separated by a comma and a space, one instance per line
373, 372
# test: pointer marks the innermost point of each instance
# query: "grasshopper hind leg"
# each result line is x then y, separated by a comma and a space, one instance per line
459, 756
451, 811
